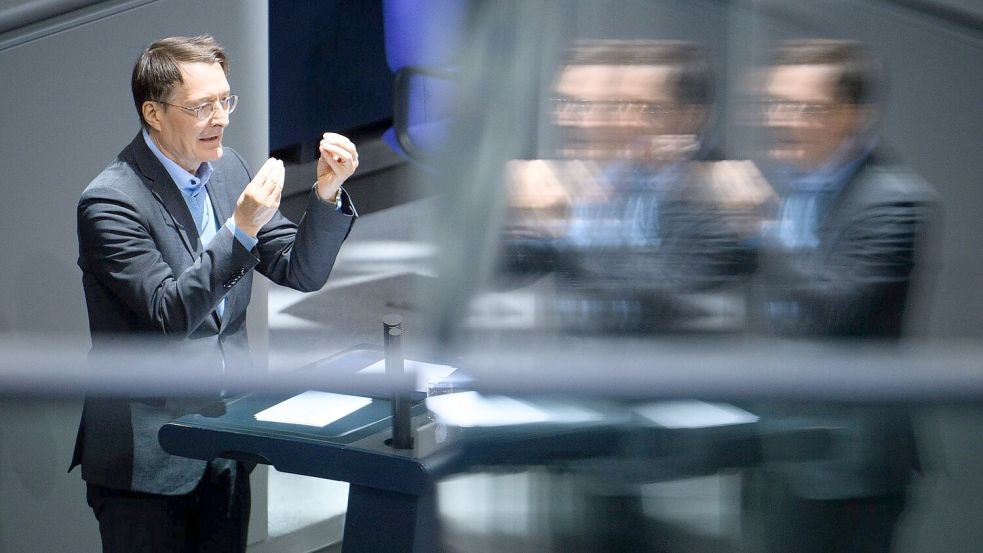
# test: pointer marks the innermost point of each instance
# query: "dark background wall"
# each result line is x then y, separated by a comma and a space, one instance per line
327, 69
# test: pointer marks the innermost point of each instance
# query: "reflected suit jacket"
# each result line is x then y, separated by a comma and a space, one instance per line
855, 284
629, 238
146, 274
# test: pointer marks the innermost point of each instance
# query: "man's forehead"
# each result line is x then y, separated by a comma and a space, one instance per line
635, 82
808, 82
201, 81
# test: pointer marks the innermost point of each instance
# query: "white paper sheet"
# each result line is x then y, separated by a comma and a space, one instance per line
424, 371
313, 408
467, 409
694, 414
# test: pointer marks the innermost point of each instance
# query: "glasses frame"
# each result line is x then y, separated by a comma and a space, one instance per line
806, 110
616, 107
228, 105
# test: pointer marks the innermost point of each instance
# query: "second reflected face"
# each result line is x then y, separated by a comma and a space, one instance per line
807, 123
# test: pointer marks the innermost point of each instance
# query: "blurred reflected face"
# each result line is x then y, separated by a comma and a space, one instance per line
807, 123
179, 134
619, 112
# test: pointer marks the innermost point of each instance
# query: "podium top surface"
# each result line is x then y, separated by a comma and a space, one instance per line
354, 447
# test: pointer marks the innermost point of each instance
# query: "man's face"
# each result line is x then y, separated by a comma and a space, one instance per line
619, 112
806, 121
179, 134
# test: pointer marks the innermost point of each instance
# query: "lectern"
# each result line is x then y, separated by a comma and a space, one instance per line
391, 502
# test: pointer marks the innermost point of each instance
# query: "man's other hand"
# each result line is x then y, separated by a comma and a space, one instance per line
338, 161
259, 201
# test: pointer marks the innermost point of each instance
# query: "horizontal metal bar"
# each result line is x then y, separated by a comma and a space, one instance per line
30, 21
924, 371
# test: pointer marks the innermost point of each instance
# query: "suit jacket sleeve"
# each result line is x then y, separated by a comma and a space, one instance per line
865, 275
119, 247
301, 256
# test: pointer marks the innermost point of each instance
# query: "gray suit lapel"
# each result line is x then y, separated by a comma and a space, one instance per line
172, 202
167, 193
850, 201
223, 199
218, 193
222, 212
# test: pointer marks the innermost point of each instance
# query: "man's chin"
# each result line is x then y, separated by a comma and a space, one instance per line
213, 153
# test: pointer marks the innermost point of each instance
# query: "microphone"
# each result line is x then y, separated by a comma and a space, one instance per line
392, 339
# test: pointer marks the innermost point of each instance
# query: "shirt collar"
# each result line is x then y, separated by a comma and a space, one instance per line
189, 184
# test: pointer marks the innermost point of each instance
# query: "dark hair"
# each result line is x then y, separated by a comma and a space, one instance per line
156, 71
692, 79
859, 78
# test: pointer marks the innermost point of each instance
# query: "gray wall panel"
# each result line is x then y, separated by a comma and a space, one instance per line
17, 13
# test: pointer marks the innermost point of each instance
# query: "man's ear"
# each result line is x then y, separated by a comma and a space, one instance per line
152, 114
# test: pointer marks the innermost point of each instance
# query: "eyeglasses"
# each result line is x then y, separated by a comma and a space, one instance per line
207, 109
796, 109
615, 108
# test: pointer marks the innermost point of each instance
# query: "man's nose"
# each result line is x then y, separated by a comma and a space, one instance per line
220, 117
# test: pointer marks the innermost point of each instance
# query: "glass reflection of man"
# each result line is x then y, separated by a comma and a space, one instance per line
632, 220
837, 262
635, 101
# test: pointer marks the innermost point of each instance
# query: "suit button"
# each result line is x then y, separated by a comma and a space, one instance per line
240, 272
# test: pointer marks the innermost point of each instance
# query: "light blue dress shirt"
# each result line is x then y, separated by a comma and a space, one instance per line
808, 195
195, 194
628, 219
807, 198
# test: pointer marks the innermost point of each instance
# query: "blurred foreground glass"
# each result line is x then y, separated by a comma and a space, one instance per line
623, 234
632, 227
442, 386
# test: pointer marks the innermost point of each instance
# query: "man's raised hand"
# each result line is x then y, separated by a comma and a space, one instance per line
260, 200
338, 161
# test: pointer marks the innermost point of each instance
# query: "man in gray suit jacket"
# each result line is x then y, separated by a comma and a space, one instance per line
169, 235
